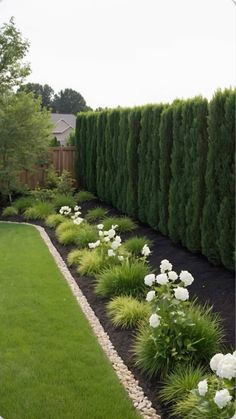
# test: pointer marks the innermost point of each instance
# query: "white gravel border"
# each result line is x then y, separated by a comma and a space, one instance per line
136, 394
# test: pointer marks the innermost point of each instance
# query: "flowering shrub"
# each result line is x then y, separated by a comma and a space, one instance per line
178, 331
213, 396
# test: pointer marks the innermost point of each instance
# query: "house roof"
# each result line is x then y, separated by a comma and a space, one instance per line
62, 122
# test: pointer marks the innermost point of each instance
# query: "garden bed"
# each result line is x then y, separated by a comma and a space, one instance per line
212, 284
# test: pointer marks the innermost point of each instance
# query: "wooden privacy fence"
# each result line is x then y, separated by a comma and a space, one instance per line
62, 158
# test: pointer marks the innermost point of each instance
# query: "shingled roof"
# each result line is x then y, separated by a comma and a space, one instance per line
62, 122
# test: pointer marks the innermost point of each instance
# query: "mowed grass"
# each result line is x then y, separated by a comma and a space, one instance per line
51, 365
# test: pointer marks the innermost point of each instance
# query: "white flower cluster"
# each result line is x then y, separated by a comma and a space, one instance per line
145, 251
225, 367
168, 276
65, 210
110, 237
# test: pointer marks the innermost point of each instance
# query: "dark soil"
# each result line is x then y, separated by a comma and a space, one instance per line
213, 284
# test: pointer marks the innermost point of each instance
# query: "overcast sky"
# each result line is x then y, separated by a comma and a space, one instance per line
128, 52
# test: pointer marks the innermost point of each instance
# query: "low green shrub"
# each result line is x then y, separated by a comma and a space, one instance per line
124, 223
62, 200
127, 311
24, 202
42, 195
38, 211
9, 211
65, 184
65, 225
68, 236
54, 220
135, 244
178, 384
83, 196
74, 257
159, 350
91, 262
86, 234
125, 279
96, 214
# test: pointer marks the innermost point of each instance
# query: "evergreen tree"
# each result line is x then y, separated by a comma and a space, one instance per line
166, 142
122, 173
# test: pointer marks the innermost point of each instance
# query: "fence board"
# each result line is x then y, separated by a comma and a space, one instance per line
62, 158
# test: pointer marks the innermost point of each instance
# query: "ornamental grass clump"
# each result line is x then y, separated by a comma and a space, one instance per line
61, 200
83, 196
65, 225
91, 262
10, 211
124, 279
74, 257
123, 223
24, 202
38, 211
96, 214
127, 312
54, 220
135, 245
213, 396
178, 332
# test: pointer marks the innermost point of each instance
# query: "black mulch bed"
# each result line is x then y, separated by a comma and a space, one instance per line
213, 284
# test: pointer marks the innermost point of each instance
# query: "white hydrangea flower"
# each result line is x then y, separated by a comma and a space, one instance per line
118, 239
120, 257
162, 279
77, 208
100, 233
78, 220
111, 252
77, 213
150, 296
165, 266
181, 293
145, 250
172, 275
186, 278
154, 320
111, 233
106, 239
149, 280
214, 362
222, 398
100, 226
114, 227
94, 245
227, 367
202, 387
115, 245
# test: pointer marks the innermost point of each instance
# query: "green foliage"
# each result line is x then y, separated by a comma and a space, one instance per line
90, 262
83, 196
69, 235
61, 200
96, 214
127, 312
71, 138
171, 166
42, 195
54, 142
54, 220
124, 223
65, 184
44, 92
38, 211
135, 244
9, 211
74, 257
125, 279
24, 137
52, 178
166, 142
86, 234
178, 384
13, 50
196, 341
64, 226
24, 202
68, 101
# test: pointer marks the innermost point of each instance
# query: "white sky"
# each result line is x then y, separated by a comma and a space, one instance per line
128, 52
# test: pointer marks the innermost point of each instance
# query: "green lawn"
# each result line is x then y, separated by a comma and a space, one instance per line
51, 366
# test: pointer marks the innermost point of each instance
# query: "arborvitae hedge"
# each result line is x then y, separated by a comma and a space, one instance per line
170, 166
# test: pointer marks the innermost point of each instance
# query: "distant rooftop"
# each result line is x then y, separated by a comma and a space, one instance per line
68, 118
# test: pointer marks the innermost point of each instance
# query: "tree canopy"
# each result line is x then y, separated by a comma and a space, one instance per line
45, 92
13, 49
